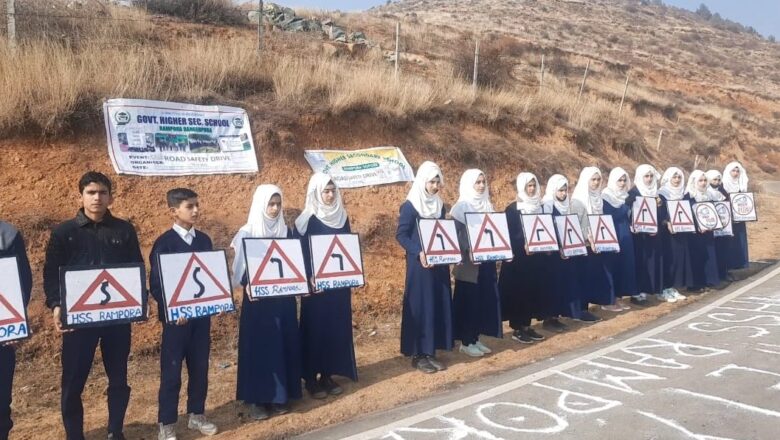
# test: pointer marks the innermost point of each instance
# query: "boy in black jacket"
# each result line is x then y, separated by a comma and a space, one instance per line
184, 339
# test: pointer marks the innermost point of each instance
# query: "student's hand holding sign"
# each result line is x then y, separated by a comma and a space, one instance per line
424, 261
56, 311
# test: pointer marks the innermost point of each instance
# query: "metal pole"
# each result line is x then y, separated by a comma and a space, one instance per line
623, 99
397, 45
584, 77
11, 23
260, 26
660, 135
541, 77
476, 65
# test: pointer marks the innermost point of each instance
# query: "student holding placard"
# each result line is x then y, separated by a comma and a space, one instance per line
11, 245
648, 248
326, 317
523, 282
722, 243
735, 180
184, 339
596, 282
677, 258
704, 260
269, 343
426, 323
94, 237
476, 308
621, 266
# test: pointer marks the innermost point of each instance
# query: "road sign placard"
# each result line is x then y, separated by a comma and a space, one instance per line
724, 212
337, 261
539, 231
488, 234
743, 207
570, 235
680, 215
439, 239
707, 216
275, 267
603, 232
645, 215
13, 315
195, 284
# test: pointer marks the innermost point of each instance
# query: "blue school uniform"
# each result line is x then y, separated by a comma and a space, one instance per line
678, 272
622, 265
269, 350
704, 260
426, 322
738, 257
326, 320
648, 253
565, 299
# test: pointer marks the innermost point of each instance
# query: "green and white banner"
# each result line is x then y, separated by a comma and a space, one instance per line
356, 168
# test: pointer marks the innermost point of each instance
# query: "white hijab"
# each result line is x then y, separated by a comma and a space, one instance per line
639, 182
555, 183
612, 194
712, 175
731, 184
694, 191
427, 205
470, 200
667, 190
332, 215
528, 204
590, 199
258, 225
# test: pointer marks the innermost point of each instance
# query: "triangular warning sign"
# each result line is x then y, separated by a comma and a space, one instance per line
681, 217
277, 256
445, 250
604, 234
101, 285
342, 256
497, 241
540, 240
192, 271
644, 207
15, 315
571, 237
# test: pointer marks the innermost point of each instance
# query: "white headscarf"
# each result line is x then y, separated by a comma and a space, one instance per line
427, 205
470, 200
639, 182
612, 194
555, 183
712, 175
258, 225
528, 204
332, 215
731, 184
590, 199
667, 190
694, 191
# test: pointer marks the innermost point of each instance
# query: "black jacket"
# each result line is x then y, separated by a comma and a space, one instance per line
81, 241
12, 245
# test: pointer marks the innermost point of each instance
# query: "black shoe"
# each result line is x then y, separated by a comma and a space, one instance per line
423, 364
315, 390
521, 337
533, 334
436, 364
554, 325
586, 316
259, 412
637, 301
330, 386
280, 408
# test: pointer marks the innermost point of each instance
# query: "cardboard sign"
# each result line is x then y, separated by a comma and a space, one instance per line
570, 235
724, 212
604, 234
539, 233
439, 240
13, 314
707, 216
645, 215
743, 206
195, 284
681, 215
275, 267
337, 261
488, 236
96, 296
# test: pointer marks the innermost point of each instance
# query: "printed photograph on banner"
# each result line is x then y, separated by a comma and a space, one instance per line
195, 284
358, 168
680, 216
602, 230
724, 212
95, 296
275, 267
570, 237
743, 207
645, 215
707, 216
13, 315
439, 241
337, 261
539, 231
488, 235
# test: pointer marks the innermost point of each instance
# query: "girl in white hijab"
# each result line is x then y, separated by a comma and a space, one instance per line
617, 188
677, 259
475, 301
329, 212
673, 184
714, 178
735, 179
528, 203
557, 183
648, 247
622, 265
702, 245
426, 322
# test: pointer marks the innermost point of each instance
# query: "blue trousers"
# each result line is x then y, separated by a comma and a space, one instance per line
190, 342
7, 365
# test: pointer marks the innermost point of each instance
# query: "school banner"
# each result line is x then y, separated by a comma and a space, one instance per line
158, 138
353, 169
13, 314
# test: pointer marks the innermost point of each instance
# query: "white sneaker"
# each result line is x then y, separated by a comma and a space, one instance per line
471, 350
666, 296
678, 295
198, 422
167, 432
483, 348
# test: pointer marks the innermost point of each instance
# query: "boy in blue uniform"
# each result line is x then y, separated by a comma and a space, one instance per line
184, 339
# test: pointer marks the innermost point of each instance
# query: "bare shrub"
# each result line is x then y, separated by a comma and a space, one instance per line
202, 11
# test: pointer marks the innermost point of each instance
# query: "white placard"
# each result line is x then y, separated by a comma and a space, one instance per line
681, 216
488, 236
539, 231
602, 230
439, 240
645, 215
570, 235
743, 206
337, 261
357, 168
94, 296
275, 267
13, 314
707, 216
195, 284
724, 212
